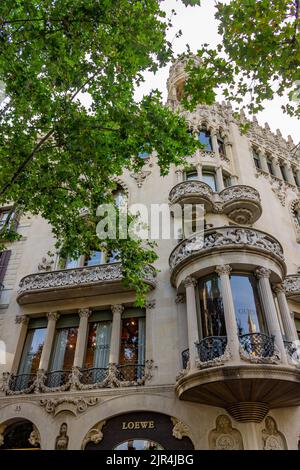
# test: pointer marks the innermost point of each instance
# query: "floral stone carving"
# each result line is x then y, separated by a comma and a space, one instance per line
224, 436
79, 405
94, 435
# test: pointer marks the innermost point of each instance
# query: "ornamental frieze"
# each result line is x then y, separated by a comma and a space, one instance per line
71, 404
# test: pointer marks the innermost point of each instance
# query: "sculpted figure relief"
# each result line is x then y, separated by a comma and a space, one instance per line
272, 438
62, 440
224, 436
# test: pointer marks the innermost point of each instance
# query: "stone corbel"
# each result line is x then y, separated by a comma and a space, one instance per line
180, 429
94, 435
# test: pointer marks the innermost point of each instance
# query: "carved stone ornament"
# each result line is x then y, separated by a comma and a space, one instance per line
292, 285
271, 437
2, 429
224, 436
62, 440
45, 264
34, 438
84, 312
71, 404
78, 277
140, 177
150, 304
21, 319
180, 429
94, 435
225, 238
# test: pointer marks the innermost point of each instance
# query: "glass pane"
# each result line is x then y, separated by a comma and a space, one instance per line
95, 258
32, 351
270, 166
138, 444
205, 139
129, 341
227, 180
191, 175
119, 197
97, 353
71, 263
211, 307
209, 178
64, 349
247, 306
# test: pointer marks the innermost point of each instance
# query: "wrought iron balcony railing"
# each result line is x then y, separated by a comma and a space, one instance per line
185, 355
257, 345
124, 375
211, 348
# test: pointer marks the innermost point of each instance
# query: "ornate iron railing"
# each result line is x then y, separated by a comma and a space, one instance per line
57, 378
93, 375
124, 375
258, 344
20, 382
211, 347
293, 350
185, 356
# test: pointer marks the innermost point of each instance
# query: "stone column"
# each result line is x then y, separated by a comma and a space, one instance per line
199, 171
263, 162
180, 301
47, 348
229, 312
269, 308
21, 320
289, 174
214, 141
150, 306
179, 175
115, 334
298, 177
79, 355
219, 178
228, 150
294, 325
192, 322
288, 324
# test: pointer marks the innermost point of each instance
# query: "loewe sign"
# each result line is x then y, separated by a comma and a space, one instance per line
138, 425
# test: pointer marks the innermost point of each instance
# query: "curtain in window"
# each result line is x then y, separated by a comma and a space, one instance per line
101, 353
27, 356
59, 350
141, 343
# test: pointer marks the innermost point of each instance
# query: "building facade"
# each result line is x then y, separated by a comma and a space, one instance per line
211, 361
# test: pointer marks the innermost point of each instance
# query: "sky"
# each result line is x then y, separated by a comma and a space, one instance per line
199, 26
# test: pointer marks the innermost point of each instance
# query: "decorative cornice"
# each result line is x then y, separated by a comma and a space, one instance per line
292, 285
224, 269
262, 273
21, 319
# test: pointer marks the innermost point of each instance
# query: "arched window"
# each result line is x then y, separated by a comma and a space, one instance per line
209, 177
256, 158
191, 175
221, 145
119, 196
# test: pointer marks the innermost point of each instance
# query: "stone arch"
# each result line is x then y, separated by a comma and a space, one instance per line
120, 406
26, 434
120, 182
26, 411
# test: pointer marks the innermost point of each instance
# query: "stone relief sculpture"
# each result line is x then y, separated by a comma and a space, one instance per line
224, 436
272, 438
94, 435
62, 440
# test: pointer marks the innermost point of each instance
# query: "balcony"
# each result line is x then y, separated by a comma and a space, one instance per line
125, 375
225, 240
292, 287
78, 282
247, 389
240, 203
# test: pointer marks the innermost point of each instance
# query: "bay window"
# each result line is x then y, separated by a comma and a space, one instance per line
211, 307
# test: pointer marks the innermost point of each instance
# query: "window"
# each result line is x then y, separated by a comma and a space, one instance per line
32, 350
98, 343
119, 196
191, 175
297, 323
95, 258
209, 177
4, 259
270, 166
12, 223
283, 172
211, 307
226, 180
72, 263
247, 305
221, 146
297, 182
256, 158
64, 345
205, 139
132, 351
138, 444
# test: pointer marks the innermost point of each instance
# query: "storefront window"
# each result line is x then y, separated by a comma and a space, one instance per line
138, 444
211, 307
247, 305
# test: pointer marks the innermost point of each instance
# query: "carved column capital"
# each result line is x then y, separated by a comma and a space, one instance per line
278, 288
53, 316
84, 312
180, 299
223, 269
262, 272
118, 308
190, 281
21, 319
150, 304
